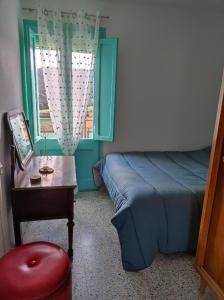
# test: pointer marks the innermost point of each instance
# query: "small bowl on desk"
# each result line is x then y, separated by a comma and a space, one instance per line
46, 170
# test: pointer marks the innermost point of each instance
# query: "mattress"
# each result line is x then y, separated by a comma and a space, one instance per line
158, 199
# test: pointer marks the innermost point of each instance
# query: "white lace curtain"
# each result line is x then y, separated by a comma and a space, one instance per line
68, 45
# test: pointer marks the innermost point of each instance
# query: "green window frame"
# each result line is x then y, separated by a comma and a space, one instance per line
105, 89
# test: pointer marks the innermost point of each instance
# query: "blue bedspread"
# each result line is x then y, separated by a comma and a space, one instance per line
158, 199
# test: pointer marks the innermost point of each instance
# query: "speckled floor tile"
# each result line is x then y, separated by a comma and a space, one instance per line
97, 269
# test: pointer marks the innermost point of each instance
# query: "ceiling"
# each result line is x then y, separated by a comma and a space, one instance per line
195, 3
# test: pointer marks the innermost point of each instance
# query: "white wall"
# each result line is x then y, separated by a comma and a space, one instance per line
169, 69
10, 98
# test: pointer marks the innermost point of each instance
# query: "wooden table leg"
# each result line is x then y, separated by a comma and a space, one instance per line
17, 232
70, 225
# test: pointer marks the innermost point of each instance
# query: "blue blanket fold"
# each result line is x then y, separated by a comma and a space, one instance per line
158, 199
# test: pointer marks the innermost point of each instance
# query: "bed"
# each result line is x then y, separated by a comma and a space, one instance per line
158, 200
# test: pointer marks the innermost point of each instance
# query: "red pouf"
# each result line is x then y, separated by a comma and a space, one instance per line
39, 271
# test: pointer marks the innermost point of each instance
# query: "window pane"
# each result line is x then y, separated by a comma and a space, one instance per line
46, 127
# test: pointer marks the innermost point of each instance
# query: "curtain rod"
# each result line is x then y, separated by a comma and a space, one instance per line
64, 13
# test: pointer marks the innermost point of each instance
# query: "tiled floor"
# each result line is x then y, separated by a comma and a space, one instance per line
97, 270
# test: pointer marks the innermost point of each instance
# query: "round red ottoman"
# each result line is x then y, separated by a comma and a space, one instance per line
39, 270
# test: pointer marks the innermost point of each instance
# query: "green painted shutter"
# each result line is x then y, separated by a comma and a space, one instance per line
105, 89
28, 40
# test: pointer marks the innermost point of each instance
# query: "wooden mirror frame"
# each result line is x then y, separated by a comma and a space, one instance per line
9, 115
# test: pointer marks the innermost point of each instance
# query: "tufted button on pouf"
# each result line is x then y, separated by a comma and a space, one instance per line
35, 271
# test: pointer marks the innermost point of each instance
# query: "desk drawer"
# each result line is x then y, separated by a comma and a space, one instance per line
43, 204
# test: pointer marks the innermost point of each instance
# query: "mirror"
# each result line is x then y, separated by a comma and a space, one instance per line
20, 136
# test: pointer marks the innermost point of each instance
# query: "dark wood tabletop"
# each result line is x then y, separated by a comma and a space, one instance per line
64, 175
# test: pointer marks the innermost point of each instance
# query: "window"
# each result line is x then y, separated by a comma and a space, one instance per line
100, 117
99, 124
45, 123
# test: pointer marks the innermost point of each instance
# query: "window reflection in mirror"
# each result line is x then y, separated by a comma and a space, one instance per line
21, 137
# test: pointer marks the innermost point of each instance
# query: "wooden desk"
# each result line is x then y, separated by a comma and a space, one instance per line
53, 198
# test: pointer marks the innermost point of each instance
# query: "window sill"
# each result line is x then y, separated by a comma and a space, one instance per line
53, 146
